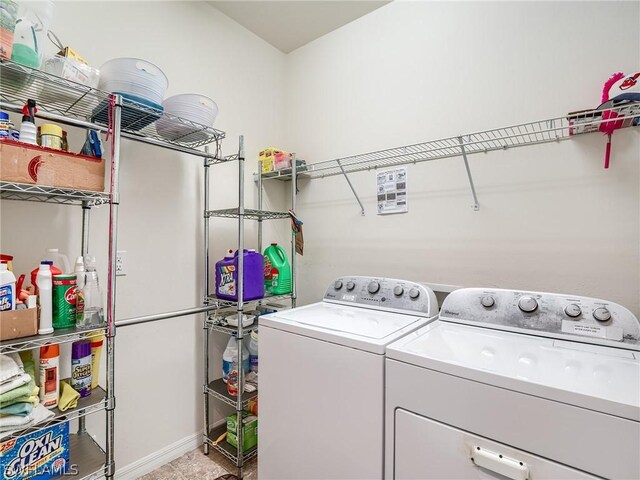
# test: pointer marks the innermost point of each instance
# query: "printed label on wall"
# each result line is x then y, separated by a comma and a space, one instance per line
392, 191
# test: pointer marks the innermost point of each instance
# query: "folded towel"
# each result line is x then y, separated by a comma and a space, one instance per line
18, 394
10, 366
68, 397
15, 382
9, 425
20, 408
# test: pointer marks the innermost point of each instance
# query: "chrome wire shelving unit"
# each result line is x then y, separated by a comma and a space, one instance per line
533, 133
75, 104
215, 320
69, 103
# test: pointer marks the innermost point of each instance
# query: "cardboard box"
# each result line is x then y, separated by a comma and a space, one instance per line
37, 456
18, 323
23, 163
250, 423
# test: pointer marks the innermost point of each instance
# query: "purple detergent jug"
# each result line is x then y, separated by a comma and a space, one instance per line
227, 272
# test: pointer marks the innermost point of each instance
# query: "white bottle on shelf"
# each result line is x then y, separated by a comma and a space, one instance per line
78, 269
60, 260
28, 131
45, 297
7, 288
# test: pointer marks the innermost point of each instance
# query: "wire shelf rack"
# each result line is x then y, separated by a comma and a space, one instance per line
267, 300
86, 406
66, 98
57, 337
249, 214
218, 389
545, 131
43, 193
225, 449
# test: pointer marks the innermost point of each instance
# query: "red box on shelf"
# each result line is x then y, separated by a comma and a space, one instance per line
32, 164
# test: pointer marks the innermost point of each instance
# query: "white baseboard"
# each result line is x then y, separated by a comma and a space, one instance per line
161, 457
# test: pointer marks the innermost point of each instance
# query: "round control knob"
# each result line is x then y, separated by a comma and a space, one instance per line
487, 301
527, 304
351, 286
602, 314
398, 291
414, 293
573, 310
337, 284
373, 287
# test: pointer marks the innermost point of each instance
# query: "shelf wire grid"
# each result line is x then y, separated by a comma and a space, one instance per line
46, 194
57, 337
64, 97
249, 214
545, 131
248, 304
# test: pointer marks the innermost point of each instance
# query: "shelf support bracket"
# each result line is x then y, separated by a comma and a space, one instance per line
476, 205
346, 177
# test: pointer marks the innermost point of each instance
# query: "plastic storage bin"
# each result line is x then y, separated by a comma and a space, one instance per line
135, 77
193, 107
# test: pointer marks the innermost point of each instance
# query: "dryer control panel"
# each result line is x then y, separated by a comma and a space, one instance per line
387, 294
567, 317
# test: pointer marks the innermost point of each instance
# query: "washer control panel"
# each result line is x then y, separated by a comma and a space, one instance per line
566, 317
381, 293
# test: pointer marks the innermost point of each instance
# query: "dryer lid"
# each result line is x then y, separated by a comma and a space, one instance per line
595, 377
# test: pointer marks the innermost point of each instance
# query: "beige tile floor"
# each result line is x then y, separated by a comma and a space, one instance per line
196, 464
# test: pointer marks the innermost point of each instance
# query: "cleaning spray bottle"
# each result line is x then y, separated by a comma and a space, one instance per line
28, 131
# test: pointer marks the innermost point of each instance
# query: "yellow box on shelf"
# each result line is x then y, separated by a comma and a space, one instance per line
267, 155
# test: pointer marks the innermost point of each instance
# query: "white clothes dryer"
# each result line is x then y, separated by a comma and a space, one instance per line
322, 378
520, 385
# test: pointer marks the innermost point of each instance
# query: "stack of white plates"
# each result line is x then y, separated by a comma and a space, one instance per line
134, 77
199, 112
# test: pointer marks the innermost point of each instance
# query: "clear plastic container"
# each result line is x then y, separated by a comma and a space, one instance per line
30, 35
89, 311
69, 69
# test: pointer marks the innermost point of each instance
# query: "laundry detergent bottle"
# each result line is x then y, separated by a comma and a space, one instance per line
227, 276
277, 270
230, 355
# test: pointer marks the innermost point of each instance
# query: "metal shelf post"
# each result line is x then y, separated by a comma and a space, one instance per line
240, 292
111, 290
205, 344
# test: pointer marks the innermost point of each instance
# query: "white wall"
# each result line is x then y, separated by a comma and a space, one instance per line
159, 365
551, 218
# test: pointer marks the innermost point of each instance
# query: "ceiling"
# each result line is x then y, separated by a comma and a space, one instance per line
288, 25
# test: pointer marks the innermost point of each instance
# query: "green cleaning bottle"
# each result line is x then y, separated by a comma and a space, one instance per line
277, 271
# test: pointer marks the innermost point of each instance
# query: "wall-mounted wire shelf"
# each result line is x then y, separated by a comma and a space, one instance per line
249, 214
267, 300
218, 389
86, 406
225, 449
532, 133
57, 337
43, 193
69, 99
545, 131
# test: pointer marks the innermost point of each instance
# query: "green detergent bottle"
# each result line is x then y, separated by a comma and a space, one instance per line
277, 271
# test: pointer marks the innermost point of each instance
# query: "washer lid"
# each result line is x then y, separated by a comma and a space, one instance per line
599, 378
357, 327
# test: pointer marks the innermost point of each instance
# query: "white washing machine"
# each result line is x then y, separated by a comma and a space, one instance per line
322, 378
521, 385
